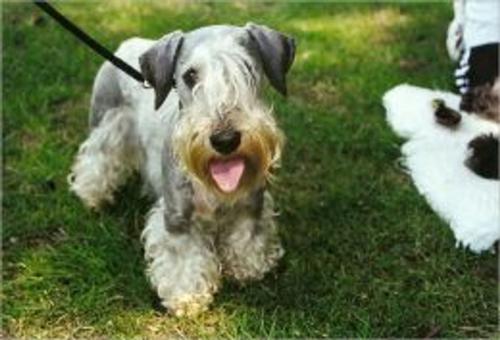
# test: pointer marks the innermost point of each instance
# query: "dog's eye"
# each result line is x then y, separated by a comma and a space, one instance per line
190, 77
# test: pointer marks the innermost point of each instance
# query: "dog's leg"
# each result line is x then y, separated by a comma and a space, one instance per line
106, 158
182, 267
252, 247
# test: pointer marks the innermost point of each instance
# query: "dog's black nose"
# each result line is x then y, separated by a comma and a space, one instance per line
225, 141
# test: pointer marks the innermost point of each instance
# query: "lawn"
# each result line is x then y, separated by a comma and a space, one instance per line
365, 255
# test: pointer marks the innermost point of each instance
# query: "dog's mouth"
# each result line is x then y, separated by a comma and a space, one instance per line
227, 172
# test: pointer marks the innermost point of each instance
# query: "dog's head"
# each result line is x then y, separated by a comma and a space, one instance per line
227, 137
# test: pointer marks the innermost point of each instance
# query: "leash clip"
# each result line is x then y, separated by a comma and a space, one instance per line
146, 85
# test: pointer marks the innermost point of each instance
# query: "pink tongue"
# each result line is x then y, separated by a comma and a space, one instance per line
227, 173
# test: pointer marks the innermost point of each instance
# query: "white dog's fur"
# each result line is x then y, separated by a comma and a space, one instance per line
435, 157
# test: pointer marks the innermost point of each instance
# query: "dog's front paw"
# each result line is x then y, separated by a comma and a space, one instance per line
188, 305
182, 267
186, 280
254, 263
253, 269
251, 250
187, 289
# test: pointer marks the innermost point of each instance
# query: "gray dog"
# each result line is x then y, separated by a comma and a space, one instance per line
206, 154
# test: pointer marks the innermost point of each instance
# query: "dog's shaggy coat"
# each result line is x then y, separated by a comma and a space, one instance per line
205, 155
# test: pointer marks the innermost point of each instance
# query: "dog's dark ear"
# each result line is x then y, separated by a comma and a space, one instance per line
277, 52
158, 65
483, 159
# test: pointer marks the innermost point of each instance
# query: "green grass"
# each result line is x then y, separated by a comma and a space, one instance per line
366, 257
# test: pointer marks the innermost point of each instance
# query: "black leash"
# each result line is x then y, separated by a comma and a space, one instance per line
89, 41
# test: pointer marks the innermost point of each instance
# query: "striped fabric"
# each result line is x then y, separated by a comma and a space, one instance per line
461, 73
478, 66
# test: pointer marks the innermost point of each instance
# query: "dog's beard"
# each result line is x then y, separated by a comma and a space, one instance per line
246, 169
